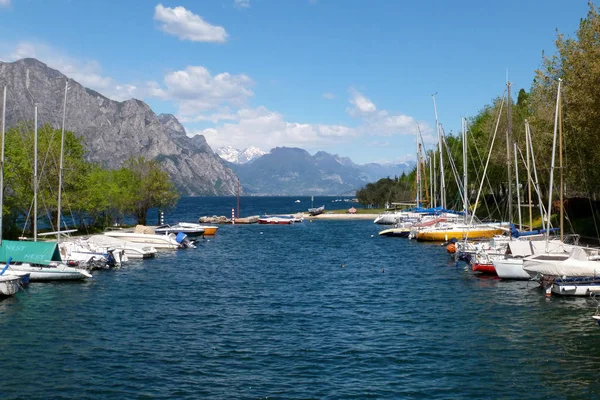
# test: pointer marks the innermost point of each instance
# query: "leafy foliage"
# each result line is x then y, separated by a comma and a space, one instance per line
90, 192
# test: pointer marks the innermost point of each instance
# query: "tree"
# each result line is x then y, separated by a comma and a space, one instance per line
577, 63
149, 186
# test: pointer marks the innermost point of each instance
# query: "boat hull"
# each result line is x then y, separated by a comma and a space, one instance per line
61, 272
210, 230
576, 288
395, 232
156, 241
485, 269
9, 284
510, 269
444, 236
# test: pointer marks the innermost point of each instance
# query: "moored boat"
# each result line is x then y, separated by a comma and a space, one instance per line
276, 220
316, 210
9, 284
189, 228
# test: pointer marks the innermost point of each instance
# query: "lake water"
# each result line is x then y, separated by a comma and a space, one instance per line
323, 309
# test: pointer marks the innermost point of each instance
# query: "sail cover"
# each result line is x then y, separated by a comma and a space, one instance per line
29, 252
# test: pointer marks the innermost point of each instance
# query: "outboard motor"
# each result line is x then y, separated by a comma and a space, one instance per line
184, 242
111, 261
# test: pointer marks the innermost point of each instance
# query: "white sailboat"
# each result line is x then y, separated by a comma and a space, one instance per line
41, 260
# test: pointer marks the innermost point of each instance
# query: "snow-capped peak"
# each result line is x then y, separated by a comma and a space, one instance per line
236, 156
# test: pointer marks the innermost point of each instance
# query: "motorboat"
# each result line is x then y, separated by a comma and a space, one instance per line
146, 235
276, 219
189, 228
209, 230
132, 250
55, 271
80, 252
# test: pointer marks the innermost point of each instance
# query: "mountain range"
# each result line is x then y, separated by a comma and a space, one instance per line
114, 131
236, 156
293, 171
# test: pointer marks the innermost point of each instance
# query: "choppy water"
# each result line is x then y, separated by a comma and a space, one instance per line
270, 312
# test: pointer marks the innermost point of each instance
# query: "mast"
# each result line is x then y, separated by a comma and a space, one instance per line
528, 176
238, 199
60, 170
508, 152
517, 179
439, 132
560, 167
465, 190
35, 172
552, 162
431, 198
537, 183
435, 193
2, 161
418, 172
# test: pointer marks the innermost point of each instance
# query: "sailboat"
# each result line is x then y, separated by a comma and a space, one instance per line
40, 259
443, 231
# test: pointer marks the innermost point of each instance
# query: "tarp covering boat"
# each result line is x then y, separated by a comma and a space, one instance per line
29, 252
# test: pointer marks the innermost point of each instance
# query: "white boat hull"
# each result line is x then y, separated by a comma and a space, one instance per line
132, 250
582, 289
9, 284
510, 268
50, 273
156, 241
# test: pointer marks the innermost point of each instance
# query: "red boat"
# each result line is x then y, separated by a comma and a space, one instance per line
487, 269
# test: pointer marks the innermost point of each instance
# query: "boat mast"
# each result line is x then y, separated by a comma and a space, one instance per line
35, 173
560, 167
518, 193
439, 132
418, 172
60, 170
528, 176
238, 199
537, 183
508, 152
435, 193
465, 190
2, 161
552, 162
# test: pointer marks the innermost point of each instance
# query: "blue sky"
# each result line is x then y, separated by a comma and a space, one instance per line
350, 77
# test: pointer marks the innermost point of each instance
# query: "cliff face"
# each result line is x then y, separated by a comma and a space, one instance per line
114, 131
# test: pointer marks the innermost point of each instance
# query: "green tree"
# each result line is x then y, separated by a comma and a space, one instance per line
149, 186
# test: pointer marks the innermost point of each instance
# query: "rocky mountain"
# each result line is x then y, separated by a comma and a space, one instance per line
293, 171
236, 156
113, 131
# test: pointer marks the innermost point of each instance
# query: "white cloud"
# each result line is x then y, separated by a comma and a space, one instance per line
241, 3
4, 3
380, 122
196, 91
87, 72
267, 129
328, 96
360, 104
186, 25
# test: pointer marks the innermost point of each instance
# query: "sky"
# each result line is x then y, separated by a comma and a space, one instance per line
350, 77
